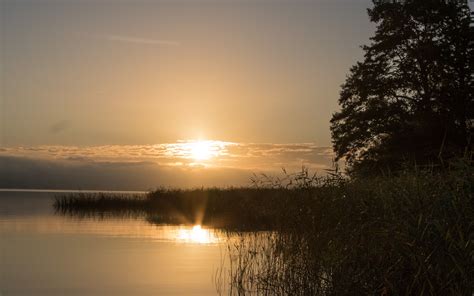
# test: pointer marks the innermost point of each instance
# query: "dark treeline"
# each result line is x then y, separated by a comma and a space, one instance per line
411, 99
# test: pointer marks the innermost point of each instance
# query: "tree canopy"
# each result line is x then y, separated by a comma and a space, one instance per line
411, 98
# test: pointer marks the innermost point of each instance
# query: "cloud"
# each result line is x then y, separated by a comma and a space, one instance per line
146, 41
141, 167
249, 156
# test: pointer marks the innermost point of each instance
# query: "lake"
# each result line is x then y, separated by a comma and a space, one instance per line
47, 254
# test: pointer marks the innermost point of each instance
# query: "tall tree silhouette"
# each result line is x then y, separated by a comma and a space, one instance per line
411, 98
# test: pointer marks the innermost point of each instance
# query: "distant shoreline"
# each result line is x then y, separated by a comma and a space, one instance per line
71, 191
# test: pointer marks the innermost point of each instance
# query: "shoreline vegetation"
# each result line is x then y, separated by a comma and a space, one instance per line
408, 234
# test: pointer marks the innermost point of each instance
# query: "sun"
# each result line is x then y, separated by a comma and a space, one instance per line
201, 150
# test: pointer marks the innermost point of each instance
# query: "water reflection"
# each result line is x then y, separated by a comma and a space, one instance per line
110, 227
197, 235
119, 252
49, 254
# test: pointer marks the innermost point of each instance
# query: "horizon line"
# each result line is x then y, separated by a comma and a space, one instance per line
70, 190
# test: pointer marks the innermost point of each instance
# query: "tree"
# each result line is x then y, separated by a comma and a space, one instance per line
411, 98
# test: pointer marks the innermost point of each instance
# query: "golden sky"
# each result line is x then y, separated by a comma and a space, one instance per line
117, 74
145, 72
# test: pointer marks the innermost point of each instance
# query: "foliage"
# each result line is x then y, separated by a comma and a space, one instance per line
411, 98
411, 234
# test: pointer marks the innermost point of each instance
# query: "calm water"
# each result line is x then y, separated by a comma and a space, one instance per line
46, 254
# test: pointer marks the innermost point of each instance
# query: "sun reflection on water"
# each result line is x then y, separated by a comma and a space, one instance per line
136, 229
196, 234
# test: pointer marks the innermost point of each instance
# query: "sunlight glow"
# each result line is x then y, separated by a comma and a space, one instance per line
201, 150
198, 150
196, 235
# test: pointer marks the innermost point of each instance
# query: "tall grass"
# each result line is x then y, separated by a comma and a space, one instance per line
410, 234
232, 208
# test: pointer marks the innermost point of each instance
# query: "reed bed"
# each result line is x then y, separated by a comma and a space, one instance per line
410, 234
232, 208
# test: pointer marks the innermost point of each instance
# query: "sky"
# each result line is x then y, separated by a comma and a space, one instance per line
91, 75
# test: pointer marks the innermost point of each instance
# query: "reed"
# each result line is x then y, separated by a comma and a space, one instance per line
406, 235
410, 234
